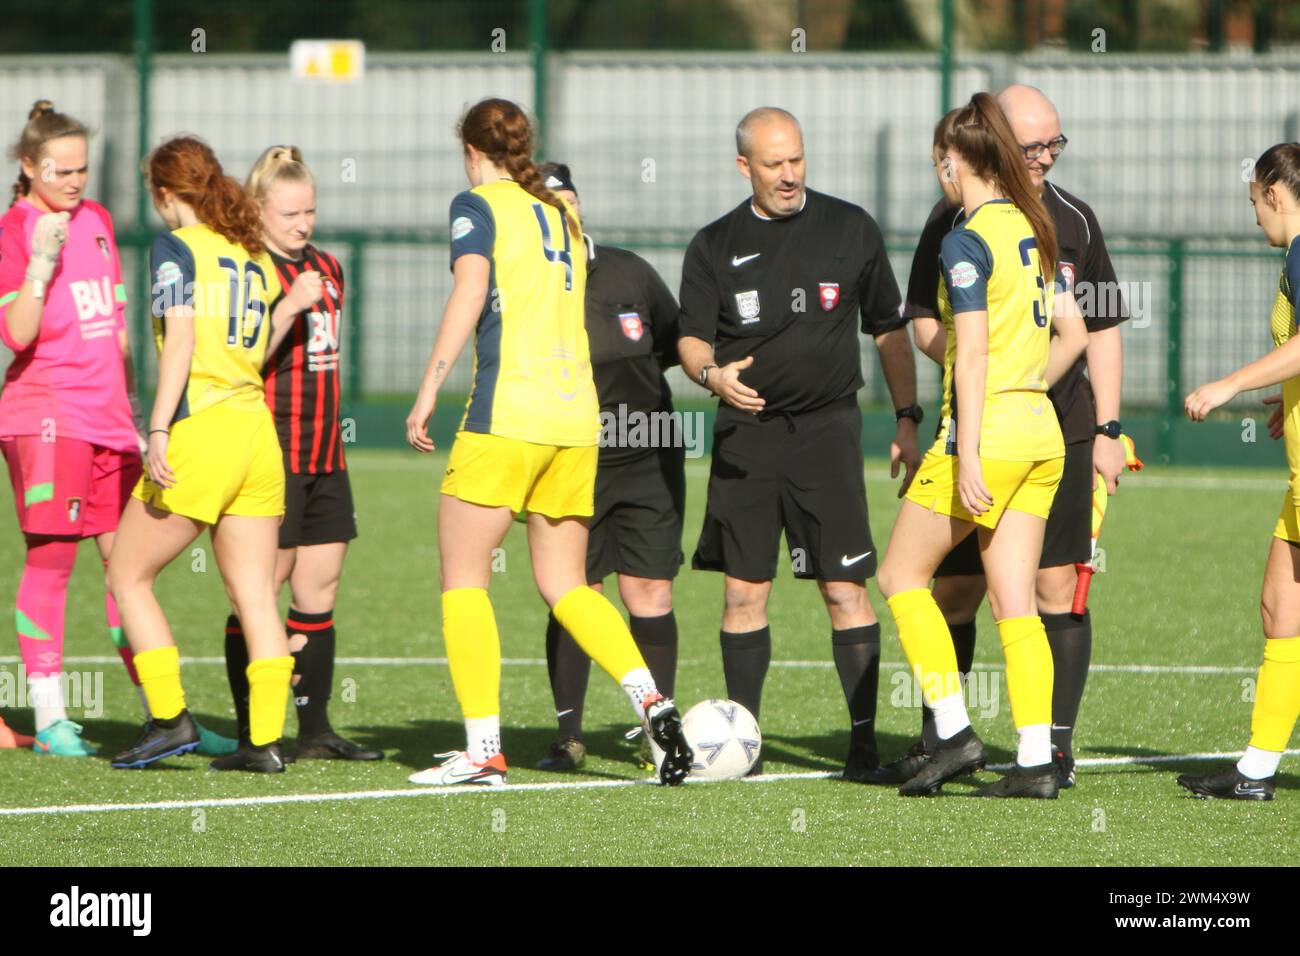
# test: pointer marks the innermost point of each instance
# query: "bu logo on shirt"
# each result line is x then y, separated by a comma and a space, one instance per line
632, 326
92, 297
830, 295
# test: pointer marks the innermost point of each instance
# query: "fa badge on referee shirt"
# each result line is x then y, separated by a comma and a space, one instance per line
747, 305
830, 295
632, 327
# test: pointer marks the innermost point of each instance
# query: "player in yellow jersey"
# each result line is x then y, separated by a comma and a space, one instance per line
214, 459
996, 463
1275, 194
527, 442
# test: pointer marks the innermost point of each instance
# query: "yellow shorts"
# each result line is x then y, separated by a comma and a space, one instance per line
226, 461
1027, 486
506, 472
1288, 522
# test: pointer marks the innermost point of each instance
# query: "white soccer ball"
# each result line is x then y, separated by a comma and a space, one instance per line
725, 739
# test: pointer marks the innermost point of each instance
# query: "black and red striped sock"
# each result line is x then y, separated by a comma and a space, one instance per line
313, 668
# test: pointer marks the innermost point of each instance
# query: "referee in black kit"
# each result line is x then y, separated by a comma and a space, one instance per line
636, 530
771, 294
1088, 408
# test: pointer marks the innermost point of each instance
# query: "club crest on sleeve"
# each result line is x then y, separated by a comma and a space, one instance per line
963, 275
461, 227
169, 273
747, 306
632, 325
829, 295
1067, 272
102, 242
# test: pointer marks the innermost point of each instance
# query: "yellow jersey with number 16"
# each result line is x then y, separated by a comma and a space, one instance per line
232, 294
989, 263
532, 365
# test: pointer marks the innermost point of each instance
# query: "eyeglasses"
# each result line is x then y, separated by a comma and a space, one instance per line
1056, 147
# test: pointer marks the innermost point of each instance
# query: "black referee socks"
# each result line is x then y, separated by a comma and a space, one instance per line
857, 660
313, 669
568, 667
745, 657
1070, 638
963, 642
656, 639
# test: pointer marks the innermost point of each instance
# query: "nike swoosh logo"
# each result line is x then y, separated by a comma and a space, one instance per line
859, 723
741, 260
846, 560
561, 713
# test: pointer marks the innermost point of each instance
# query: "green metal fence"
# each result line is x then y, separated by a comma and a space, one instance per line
611, 88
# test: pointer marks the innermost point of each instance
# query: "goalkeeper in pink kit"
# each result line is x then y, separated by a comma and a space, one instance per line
67, 427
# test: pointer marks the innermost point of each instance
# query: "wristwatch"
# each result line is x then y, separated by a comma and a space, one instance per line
1110, 429
914, 412
704, 375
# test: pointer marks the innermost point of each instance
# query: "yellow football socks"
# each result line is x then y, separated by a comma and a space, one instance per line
469, 629
1029, 669
600, 631
1277, 695
927, 642
159, 671
268, 693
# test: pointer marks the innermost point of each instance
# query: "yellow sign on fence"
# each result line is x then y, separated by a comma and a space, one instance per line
336, 60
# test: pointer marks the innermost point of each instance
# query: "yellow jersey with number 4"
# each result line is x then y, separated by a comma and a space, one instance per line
232, 294
989, 263
532, 365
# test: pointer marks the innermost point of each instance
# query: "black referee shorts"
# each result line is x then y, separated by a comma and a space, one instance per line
317, 509
1067, 539
797, 473
637, 524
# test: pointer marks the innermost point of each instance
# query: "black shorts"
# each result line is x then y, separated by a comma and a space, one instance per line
637, 524
1067, 539
317, 510
797, 473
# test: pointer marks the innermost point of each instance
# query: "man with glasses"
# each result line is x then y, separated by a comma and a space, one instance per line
1088, 408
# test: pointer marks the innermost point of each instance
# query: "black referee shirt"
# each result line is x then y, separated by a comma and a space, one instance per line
1081, 258
788, 292
631, 320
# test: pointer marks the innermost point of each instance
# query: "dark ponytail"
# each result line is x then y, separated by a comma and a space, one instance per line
1280, 164
980, 133
500, 131
44, 123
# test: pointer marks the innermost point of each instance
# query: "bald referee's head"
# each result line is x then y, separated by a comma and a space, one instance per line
1035, 123
769, 148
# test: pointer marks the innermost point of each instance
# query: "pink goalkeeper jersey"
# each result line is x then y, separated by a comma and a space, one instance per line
71, 378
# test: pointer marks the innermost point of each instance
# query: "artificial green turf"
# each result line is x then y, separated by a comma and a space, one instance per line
1180, 588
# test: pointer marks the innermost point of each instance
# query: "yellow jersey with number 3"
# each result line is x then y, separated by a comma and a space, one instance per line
989, 263
532, 365
232, 294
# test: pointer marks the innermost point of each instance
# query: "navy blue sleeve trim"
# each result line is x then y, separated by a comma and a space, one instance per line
966, 263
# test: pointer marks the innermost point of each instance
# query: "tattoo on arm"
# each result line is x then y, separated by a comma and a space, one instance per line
439, 371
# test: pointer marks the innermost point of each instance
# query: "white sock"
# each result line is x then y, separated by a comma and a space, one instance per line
144, 702
484, 737
639, 687
1035, 747
45, 694
1256, 764
950, 717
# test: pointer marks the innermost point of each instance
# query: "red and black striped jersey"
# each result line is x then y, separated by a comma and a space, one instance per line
302, 376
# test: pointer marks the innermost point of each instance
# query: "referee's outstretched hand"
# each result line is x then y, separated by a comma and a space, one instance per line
736, 393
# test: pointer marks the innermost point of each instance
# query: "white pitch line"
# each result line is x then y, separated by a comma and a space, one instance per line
789, 665
291, 798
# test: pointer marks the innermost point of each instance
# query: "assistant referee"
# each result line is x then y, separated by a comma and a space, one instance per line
636, 527
772, 296
1088, 409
